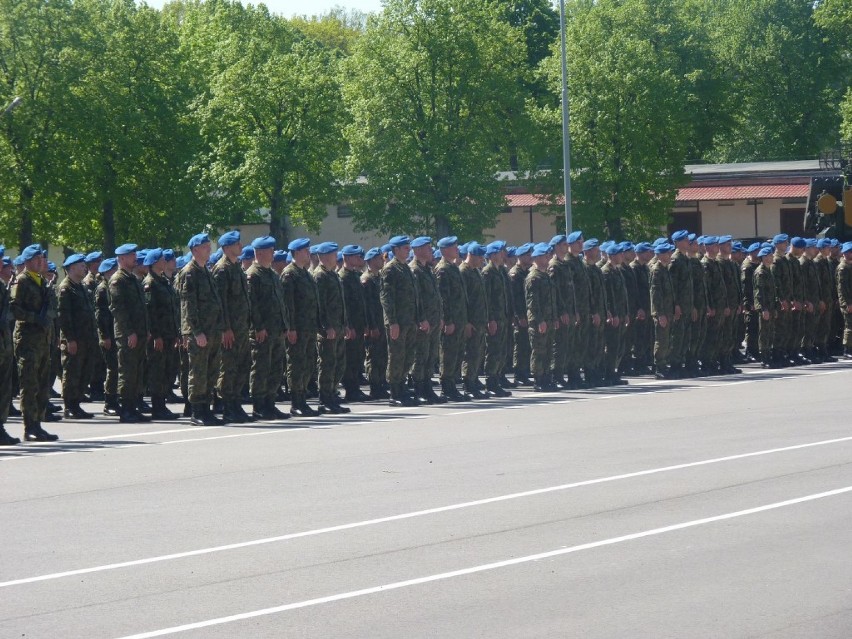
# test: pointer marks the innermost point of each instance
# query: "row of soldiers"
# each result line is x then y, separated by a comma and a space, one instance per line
564, 314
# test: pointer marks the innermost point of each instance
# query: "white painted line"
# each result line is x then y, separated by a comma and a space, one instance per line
416, 513
485, 567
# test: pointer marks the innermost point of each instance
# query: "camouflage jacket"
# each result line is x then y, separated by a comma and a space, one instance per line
428, 293
332, 305
163, 306
496, 294
400, 302
200, 305
540, 296
127, 305
353, 295
232, 283
662, 290
477, 307
76, 313
765, 289
453, 294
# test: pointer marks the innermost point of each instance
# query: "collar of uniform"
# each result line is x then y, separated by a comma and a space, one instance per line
35, 277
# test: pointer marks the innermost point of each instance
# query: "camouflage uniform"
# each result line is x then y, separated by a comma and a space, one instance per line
267, 312
783, 286
130, 316
7, 360
752, 324
401, 307
201, 312
843, 280
232, 283
642, 329
680, 330
497, 305
810, 294
595, 345
77, 324
541, 305
582, 304
332, 315
616, 306
302, 301
698, 331
356, 314
427, 344
521, 357
822, 330
727, 331
454, 309
376, 347
797, 294
562, 276
663, 299
716, 300
96, 384
765, 299
477, 317
106, 333
162, 303
30, 305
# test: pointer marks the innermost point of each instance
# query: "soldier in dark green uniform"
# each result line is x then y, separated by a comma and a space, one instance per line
162, 303
91, 281
269, 321
79, 336
597, 310
30, 306
699, 301
356, 316
333, 328
477, 319
517, 278
427, 342
663, 309
797, 294
7, 355
783, 284
751, 316
301, 301
582, 292
642, 325
826, 306
810, 302
375, 340
765, 304
130, 329
236, 362
716, 305
497, 329
403, 318
542, 317
684, 309
202, 326
106, 336
563, 280
733, 295
454, 310
618, 315
843, 277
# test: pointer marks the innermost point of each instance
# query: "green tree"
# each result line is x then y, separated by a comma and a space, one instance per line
834, 19
337, 29
428, 88
629, 112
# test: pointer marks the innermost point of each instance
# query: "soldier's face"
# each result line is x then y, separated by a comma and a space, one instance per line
451, 253
76, 272
302, 257
6, 273
264, 257
201, 253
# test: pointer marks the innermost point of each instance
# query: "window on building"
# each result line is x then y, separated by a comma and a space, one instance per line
794, 200
344, 210
754, 202
725, 203
686, 220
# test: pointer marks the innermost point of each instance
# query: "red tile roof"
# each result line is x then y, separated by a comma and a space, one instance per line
531, 199
753, 192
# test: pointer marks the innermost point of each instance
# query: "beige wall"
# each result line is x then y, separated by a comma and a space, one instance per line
738, 220
514, 226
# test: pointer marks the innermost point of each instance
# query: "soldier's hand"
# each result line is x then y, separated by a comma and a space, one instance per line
158, 344
292, 337
849, 308
727, 312
375, 333
555, 325
615, 321
677, 312
424, 326
492, 328
596, 320
106, 344
131, 340
542, 328
577, 319
711, 312
394, 331
228, 339
71, 347
809, 307
796, 306
522, 323
468, 330
449, 329
201, 340
564, 318
765, 315
663, 321
640, 315
260, 336
330, 333
784, 305
350, 334
822, 307
694, 314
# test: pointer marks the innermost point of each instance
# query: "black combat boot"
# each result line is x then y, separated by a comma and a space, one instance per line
142, 406
6, 439
33, 432
111, 406
128, 414
433, 397
231, 414
495, 388
73, 410
273, 410
159, 411
354, 394
378, 391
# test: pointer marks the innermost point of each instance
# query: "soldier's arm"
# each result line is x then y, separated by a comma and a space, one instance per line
387, 297
222, 280
257, 302
444, 290
189, 303
66, 314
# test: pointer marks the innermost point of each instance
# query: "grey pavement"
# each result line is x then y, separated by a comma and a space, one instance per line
710, 508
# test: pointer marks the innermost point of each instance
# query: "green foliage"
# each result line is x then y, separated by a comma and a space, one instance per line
429, 87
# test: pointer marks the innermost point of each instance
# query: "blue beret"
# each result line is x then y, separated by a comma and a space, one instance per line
606, 245
94, 257
476, 249
835, 242
691, 237
7, 261
446, 242
658, 241
299, 244
140, 257
753, 247
18, 261
510, 251
590, 244
542, 248
313, 250
463, 249
263, 242
387, 248
107, 265
436, 254
289, 257
847, 246
613, 249
423, 240
51, 267
737, 246
182, 261
339, 256
495, 247
780, 238
811, 243
665, 247
215, 256
399, 240
798, 242
724, 239
153, 256
677, 236
229, 238
198, 240
352, 249
558, 239
524, 249
373, 252
73, 259
626, 246
643, 247
326, 247
574, 236
279, 256
33, 250
709, 240
168, 255
248, 253
764, 251
824, 243
2, 250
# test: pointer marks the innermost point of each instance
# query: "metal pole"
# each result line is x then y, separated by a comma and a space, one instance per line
12, 105
566, 135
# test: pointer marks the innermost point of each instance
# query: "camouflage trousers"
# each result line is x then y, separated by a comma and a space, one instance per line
662, 345
781, 337
332, 362
847, 329
110, 357
99, 372
377, 359
739, 330
595, 347
77, 370
541, 351
579, 337
796, 330
452, 352
7, 363
751, 321
354, 360
426, 351
131, 362
495, 349
474, 348
698, 333
522, 350
711, 347
401, 352
235, 367
267, 367
614, 340
203, 368
301, 361
643, 341
726, 338
33, 355
158, 366
809, 325
766, 333
561, 349
822, 330
678, 339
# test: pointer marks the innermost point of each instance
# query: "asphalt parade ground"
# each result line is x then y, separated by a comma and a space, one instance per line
719, 507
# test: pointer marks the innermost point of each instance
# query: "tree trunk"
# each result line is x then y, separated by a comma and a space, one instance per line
277, 217
442, 227
25, 208
108, 226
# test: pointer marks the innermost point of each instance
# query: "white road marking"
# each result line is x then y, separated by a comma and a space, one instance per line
485, 567
416, 513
